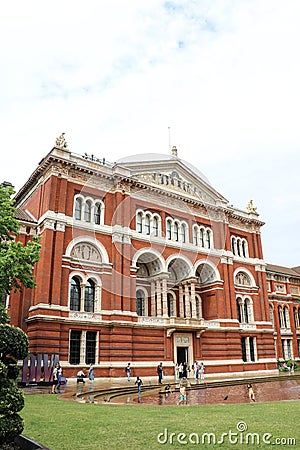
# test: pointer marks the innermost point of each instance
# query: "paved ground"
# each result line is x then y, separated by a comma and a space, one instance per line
212, 390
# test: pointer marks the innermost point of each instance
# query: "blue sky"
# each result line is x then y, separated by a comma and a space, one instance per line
223, 75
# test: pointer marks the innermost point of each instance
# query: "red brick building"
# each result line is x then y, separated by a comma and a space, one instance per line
143, 261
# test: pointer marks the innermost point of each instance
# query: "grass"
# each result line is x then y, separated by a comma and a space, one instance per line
68, 425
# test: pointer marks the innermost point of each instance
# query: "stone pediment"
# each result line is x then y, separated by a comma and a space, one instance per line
172, 174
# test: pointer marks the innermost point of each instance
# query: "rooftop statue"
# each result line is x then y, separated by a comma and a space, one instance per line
251, 208
61, 141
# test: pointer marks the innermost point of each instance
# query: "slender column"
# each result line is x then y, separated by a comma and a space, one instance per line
187, 301
153, 299
158, 298
164, 297
181, 309
193, 300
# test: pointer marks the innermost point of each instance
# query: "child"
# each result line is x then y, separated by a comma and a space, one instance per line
251, 393
139, 383
182, 398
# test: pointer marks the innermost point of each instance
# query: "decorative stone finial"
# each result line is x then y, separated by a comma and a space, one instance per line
174, 151
251, 208
61, 142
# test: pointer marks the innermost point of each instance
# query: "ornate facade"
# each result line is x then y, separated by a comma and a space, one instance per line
143, 261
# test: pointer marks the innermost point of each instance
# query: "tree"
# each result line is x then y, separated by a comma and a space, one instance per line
16, 260
16, 267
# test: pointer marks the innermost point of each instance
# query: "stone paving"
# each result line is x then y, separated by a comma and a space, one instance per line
212, 390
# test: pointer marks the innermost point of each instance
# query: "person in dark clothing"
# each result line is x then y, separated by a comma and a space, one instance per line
160, 373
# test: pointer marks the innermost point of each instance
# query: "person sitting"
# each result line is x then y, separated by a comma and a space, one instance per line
80, 376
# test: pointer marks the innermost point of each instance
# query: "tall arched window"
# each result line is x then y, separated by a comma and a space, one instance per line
183, 232
208, 239
195, 235
176, 232
75, 294
239, 310
97, 214
78, 208
140, 302
246, 311
147, 224
155, 226
139, 222
87, 211
89, 296
286, 317
201, 237
169, 229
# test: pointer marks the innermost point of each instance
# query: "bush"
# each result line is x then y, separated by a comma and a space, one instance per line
13, 346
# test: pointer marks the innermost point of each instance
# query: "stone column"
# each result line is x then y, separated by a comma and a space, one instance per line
164, 297
181, 309
153, 299
193, 300
187, 301
158, 298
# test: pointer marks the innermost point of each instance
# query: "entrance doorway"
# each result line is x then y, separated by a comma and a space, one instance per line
182, 355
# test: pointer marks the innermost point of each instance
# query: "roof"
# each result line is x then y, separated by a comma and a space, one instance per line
294, 272
23, 216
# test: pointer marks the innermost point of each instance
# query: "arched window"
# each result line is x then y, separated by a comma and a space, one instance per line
169, 229
87, 211
155, 226
208, 239
176, 232
239, 308
139, 222
201, 237
78, 208
97, 213
195, 235
233, 245
140, 302
286, 317
75, 294
246, 311
183, 233
147, 224
89, 296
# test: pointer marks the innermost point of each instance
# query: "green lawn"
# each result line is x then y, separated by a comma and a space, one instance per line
67, 425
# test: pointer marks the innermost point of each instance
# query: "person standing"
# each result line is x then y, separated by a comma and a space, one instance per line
201, 371
182, 392
128, 372
55, 378
91, 373
139, 383
160, 373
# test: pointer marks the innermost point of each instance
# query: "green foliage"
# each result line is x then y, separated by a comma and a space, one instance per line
4, 317
13, 342
11, 399
16, 259
16, 267
10, 426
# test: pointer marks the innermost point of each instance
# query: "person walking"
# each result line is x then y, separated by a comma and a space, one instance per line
160, 373
251, 394
80, 376
139, 383
128, 372
59, 377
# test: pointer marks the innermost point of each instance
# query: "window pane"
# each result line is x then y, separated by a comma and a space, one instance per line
89, 296
97, 214
90, 350
75, 338
75, 294
87, 211
78, 205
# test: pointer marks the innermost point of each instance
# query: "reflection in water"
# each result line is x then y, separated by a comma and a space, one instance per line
264, 392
